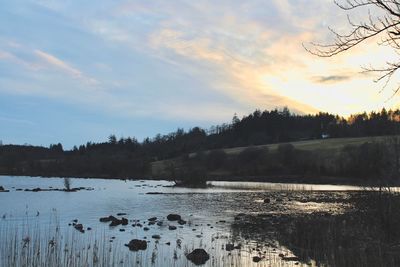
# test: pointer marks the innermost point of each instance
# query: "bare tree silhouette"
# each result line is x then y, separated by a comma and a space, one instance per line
385, 25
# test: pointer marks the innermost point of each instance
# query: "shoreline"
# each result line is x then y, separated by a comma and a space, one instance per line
278, 179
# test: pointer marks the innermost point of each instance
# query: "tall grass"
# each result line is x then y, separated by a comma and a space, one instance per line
32, 246
67, 183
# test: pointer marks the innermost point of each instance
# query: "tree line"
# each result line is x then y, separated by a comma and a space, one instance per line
129, 158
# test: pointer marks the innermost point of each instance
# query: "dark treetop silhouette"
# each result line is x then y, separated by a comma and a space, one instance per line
185, 154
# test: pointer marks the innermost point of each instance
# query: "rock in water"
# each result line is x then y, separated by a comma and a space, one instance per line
198, 256
229, 247
256, 259
79, 227
136, 244
108, 219
181, 222
174, 217
124, 221
267, 200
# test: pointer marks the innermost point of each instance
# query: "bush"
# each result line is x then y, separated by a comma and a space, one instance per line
251, 160
215, 159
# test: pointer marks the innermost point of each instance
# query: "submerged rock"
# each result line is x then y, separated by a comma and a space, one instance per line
229, 247
136, 244
267, 200
181, 222
198, 256
171, 227
174, 217
256, 259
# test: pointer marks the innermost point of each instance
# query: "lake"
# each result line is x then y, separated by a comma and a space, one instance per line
210, 214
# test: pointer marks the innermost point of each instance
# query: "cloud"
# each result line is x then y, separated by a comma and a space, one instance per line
331, 78
10, 57
230, 56
63, 66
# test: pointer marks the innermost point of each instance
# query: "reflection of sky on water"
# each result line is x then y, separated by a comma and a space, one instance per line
209, 213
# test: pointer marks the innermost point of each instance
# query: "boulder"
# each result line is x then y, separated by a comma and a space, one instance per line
152, 219
267, 200
136, 244
171, 227
156, 236
198, 256
173, 217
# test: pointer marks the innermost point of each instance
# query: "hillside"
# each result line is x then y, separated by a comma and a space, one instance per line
324, 152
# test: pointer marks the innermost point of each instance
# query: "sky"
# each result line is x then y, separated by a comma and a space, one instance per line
78, 71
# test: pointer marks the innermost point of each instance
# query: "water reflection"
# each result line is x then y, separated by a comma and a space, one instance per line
252, 215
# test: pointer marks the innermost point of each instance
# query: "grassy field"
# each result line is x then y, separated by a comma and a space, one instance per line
319, 144
326, 149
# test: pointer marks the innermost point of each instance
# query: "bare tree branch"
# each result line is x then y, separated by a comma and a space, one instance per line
386, 26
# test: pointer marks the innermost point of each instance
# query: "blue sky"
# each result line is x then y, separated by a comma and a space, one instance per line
78, 71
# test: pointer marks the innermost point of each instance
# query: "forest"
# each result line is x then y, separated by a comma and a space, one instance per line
200, 152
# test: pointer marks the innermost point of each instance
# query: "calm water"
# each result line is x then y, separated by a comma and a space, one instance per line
209, 212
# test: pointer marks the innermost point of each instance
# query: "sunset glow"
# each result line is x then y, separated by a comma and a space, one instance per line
151, 67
